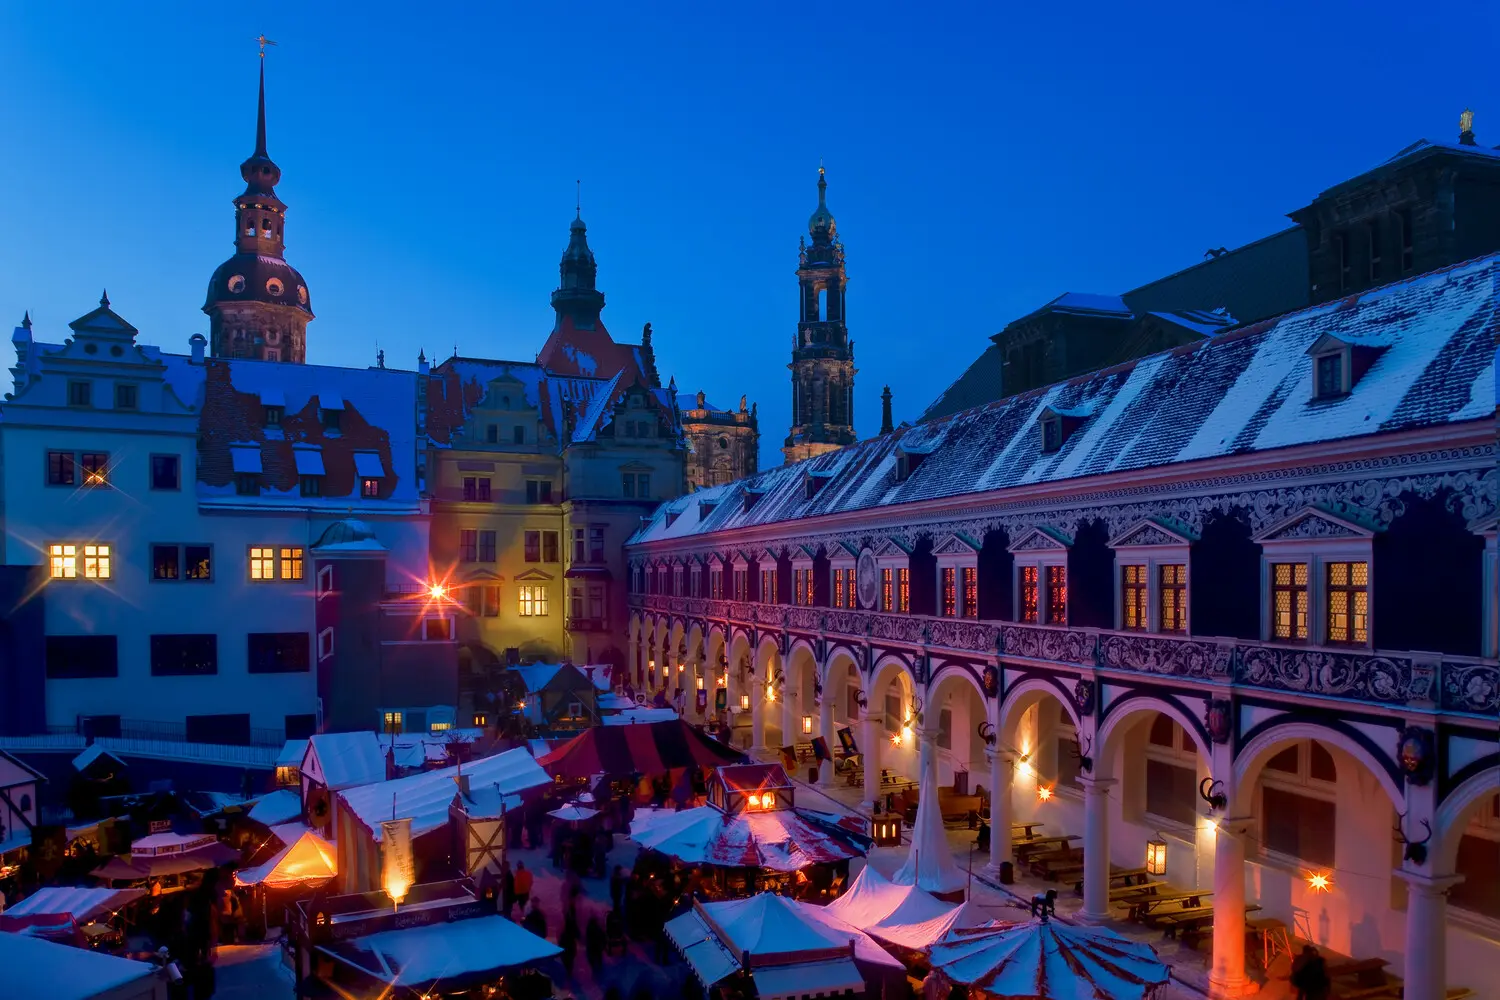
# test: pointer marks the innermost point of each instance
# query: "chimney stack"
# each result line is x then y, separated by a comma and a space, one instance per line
885, 411
197, 342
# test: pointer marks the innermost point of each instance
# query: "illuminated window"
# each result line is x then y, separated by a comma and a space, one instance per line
95, 468
838, 589
903, 590
768, 586
438, 727
64, 562
1289, 601
1349, 602
886, 590
971, 591
533, 600
369, 488
262, 562
950, 591
393, 720
1029, 594
1057, 595
96, 562
1173, 583
291, 562
1133, 598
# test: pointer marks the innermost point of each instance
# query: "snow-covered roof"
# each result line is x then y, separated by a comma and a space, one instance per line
347, 759
459, 384
292, 752
38, 968
781, 840
424, 798
82, 903
92, 753
1244, 391
448, 951
274, 808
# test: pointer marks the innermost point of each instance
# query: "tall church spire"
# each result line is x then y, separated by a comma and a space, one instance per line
823, 355
258, 305
576, 297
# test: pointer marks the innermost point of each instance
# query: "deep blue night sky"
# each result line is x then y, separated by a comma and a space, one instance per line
982, 158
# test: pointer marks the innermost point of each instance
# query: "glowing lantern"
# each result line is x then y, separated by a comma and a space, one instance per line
906, 734
681, 667
1043, 793
1156, 857
770, 693
753, 801
807, 724
744, 702
700, 683
1320, 881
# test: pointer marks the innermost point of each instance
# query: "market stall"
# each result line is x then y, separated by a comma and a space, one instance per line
648, 748
775, 948
902, 916
73, 914
1044, 958
165, 858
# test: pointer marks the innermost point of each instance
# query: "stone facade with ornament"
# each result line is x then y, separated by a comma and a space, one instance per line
1232, 606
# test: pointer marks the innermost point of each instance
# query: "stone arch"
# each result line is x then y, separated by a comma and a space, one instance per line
1454, 814
1266, 742
802, 680
888, 668
1026, 693
955, 688
1125, 713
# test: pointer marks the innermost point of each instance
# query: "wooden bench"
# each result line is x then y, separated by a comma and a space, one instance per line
1039, 844
1141, 908
1188, 925
1129, 875
1042, 865
1124, 893
1368, 973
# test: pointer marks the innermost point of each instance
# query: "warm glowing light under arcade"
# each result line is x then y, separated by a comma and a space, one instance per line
745, 702
1156, 857
1043, 792
770, 693
807, 724
1320, 881
700, 683
437, 591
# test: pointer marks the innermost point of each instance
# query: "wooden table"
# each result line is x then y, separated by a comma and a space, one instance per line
1125, 893
1038, 843
1273, 936
1128, 874
1025, 828
1140, 909
1367, 972
1190, 923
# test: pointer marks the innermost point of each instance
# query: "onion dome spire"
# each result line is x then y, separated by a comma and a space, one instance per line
821, 224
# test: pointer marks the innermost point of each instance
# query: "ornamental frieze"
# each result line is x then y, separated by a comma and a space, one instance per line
1056, 644
1471, 687
1386, 679
1169, 656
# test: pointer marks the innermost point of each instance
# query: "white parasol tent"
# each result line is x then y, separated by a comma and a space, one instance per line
1042, 958
902, 915
308, 859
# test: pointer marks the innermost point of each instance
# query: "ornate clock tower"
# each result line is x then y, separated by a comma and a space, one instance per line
822, 354
258, 305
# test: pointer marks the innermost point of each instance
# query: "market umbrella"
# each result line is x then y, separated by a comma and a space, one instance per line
573, 813
1042, 958
640, 748
781, 840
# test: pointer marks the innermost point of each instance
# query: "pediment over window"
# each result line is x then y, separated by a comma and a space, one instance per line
956, 544
1043, 538
483, 576
766, 556
536, 574
805, 552
892, 548
1322, 521
1154, 531
848, 547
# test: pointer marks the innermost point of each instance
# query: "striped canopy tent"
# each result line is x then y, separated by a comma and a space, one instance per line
1047, 959
643, 748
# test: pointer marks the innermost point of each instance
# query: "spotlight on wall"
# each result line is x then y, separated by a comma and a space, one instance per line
1156, 857
1044, 793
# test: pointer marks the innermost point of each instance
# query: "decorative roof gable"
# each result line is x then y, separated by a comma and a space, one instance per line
892, 548
1320, 521
1043, 537
1154, 531
956, 544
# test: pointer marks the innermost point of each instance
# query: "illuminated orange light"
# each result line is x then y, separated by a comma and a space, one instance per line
437, 591
1320, 881
1043, 792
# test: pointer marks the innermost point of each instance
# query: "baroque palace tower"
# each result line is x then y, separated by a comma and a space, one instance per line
822, 355
258, 305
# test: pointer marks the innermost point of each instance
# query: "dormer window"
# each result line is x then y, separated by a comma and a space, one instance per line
705, 508
332, 419
907, 461
814, 482
1052, 435
272, 415
1330, 375
1339, 364
1056, 425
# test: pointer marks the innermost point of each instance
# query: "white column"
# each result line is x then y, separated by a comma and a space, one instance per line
869, 747
1226, 974
825, 730
1096, 847
1002, 769
1426, 957
791, 717
757, 715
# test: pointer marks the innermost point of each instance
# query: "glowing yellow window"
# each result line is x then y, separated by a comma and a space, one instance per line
1349, 602
291, 563
64, 562
262, 562
96, 562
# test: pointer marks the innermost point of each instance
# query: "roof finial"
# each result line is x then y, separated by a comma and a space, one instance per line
578, 199
104, 299
260, 116
26, 320
1466, 128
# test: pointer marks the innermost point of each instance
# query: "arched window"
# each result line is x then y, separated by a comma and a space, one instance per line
1171, 772
1298, 816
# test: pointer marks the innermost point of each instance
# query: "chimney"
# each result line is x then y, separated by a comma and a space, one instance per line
885, 411
463, 785
1466, 128
197, 342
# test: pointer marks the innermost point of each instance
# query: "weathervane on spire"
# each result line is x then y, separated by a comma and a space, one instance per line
264, 41
578, 198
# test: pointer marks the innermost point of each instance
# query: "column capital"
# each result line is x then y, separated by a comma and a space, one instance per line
1427, 885
1238, 827
1001, 754
1097, 786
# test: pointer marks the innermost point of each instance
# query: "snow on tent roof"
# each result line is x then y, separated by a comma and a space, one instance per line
347, 759
273, 808
81, 903
903, 915
38, 968
1244, 391
424, 798
307, 859
452, 952
535, 675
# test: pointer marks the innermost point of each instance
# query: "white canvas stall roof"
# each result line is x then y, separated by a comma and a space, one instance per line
348, 759
902, 915
38, 968
274, 808
424, 798
808, 979
631, 716
170, 843
245, 458
367, 465
309, 459
81, 902
767, 924
416, 956
308, 858
701, 948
